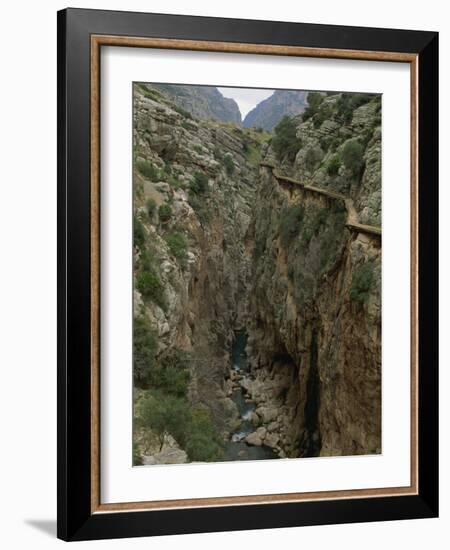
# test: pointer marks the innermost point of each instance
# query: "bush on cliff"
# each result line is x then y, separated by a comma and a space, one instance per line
285, 142
166, 415
151, 207
314, 100
177, 246
138, 233
333, 165
229, 165
202, 441
199, 184
144, 350
151, 288
291, 219
148, 170
165, 212
352, 155
362, 280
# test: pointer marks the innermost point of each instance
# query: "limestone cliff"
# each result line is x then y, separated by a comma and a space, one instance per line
282, 240
194, 192
269, 112
203, 102
315, 312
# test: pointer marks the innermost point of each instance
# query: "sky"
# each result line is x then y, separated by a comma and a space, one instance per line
246, 98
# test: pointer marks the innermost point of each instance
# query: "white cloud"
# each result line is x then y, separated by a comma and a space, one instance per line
246, 98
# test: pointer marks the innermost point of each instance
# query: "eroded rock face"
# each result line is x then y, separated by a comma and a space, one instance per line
315, 304
237, 247
197, 255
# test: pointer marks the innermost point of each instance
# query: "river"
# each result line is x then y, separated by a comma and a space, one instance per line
236, 448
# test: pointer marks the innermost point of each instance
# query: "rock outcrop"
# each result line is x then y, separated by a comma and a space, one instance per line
288, 249
203, 102
269, 112
195, 183
315, 306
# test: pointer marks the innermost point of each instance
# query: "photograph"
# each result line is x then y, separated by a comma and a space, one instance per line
257, 273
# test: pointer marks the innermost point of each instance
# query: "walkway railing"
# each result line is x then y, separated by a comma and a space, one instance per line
352, 222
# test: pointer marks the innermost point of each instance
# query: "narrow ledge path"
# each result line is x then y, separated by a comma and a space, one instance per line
352, 222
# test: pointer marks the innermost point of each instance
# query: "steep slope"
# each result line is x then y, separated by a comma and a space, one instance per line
315, 303
269, 112
286, 251
194, 187
203, 102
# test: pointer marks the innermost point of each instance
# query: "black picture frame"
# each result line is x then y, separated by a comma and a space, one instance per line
75, 518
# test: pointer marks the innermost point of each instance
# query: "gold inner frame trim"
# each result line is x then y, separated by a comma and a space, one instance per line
97, 41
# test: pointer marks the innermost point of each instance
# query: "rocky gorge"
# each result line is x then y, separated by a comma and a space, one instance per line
257, 281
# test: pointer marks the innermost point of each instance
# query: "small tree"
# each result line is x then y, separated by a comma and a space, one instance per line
200, 183
166, 415
285, 142
148, 170
362, 280
151, 208
144, 350
203, 443
314, 99
177, 246
333, 165
151, 288
138, 233
290, 222
165, 212
229, 165
352, 155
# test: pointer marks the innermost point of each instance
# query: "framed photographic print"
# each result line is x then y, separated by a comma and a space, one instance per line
247, 274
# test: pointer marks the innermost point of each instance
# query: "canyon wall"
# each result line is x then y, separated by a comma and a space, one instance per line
279, 237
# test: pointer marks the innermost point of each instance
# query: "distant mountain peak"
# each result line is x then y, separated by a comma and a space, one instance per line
270, 111
204, 102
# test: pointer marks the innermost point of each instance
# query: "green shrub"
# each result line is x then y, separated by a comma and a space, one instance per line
347, 103
229, 164
137, 460
323, 114
166, 171
146, 260
144, 349
333, 165
166, 415
352, 155
177, 246
151, 288
202, 441
291, 219
199, 184
148, 170
182, 111
171, 374
200, 207
285, 142
312, 158
165, 212
175, 183
149, 93
314, 99
198, 149
362, 281
151, 207
138, 233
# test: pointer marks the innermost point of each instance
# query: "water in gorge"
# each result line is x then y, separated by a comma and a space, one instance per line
236, 448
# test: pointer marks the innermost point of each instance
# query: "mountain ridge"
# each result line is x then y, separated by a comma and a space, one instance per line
271, 110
